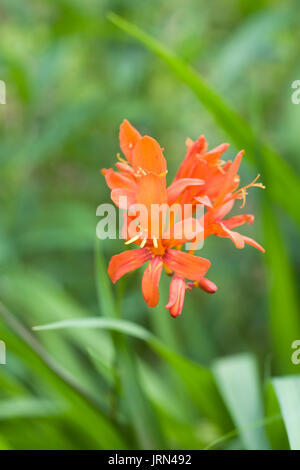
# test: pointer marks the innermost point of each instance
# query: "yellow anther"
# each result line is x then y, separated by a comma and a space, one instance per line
132, 240
168, 270
244, 194
257, 185
142, 171
122, 160
155, 244
144, 241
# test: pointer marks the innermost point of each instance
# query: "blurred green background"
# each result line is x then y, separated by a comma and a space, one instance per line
221, 375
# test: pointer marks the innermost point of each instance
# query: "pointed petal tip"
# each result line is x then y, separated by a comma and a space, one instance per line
186, 265
125, 123
173, 312
128, 136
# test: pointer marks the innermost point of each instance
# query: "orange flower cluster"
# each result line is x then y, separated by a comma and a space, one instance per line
203, 178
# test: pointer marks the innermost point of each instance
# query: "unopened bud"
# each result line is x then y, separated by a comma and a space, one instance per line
207, 285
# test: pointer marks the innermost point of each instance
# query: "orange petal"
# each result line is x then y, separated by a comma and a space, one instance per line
186, 265
183, 231
238, 220
123, 198
150, 281
116, 180
189, 163
229, 182
252, 242
151, 190
176, 188
223, 210
127, 261
236, 237
152, 194
128, 136
148, 157
214, 155
125, 168
127, 220
204, 200
176, 296
239, 240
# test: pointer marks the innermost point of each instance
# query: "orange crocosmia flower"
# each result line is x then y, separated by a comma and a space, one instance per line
202, 178
214, 221
160, 255
147, 186
144, 156
157, 244
207, 166
219, 191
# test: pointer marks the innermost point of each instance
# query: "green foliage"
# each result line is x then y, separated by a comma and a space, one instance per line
239, 383
287, 390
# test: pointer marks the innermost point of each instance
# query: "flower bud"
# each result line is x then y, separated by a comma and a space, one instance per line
207, 285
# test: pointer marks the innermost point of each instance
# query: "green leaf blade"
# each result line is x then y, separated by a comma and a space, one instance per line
238, 382
287, 390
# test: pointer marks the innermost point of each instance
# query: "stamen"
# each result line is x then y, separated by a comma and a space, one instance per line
220, 165
255, 179
132, 240
122, 160
155, 244
142, 171
244, 194
242, 191
163, 174
157, 267
169, 272
257, 185
144, 241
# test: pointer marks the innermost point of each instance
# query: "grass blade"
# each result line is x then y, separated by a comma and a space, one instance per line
27, 408
237, 378
82, 411
275, 428
198, 380
283, 295
287, 390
